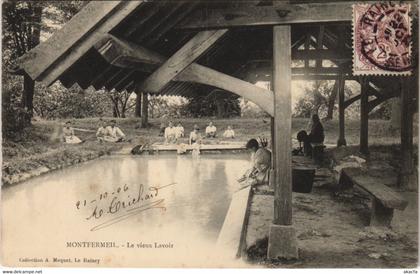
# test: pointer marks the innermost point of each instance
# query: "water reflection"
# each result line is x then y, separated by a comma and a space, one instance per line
195, 208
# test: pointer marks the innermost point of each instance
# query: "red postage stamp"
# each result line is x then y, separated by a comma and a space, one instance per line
382, 39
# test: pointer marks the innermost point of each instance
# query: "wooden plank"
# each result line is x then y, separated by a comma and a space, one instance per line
63, 59
125, 54
364, 117
318, 71
200, 74
283, 125
388, 197
314, 77
322, 54
181, 59
267, 15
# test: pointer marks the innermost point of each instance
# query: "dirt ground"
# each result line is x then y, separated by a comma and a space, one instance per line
333, 229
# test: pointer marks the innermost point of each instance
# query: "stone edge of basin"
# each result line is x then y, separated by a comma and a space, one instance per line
232, 236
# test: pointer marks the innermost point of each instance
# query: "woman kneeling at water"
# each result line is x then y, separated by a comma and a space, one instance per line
261, 164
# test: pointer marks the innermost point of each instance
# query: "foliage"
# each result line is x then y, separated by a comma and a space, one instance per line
219, 103
317, 96
121, 102
58, 102
251, 110
14, 117
167, 106
24, 22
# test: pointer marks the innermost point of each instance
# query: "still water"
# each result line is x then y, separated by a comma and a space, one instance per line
155, 210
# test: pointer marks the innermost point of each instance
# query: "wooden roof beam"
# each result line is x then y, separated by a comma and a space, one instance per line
49, 60
169, 25
200, 74
268, 15
193, 49
321, 54
203, 75
126, 54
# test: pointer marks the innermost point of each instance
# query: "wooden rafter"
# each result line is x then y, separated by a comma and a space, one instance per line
203, 75
169, 25
181, 59
146, 33
267, 15
53, 60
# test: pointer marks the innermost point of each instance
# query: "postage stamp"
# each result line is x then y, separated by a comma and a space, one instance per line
382, 39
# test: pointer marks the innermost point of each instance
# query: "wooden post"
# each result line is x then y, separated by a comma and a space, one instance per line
137, 111
282, 126
144, 110
364, 116
341, 138
407, 178
282, 235
272, 181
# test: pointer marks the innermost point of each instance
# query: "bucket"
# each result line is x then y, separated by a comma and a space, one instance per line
302, 179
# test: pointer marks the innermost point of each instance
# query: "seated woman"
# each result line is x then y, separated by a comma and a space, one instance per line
179, 131
102, 132
229, 133
261, 164
114, 134
68, 134
170, 134
211, 131
195, 135
315, 136
162, 129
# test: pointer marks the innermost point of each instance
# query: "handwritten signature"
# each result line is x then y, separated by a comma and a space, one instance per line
123, 207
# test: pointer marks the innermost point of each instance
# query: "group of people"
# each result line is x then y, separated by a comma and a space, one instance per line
260, 155
107, 132
173, 133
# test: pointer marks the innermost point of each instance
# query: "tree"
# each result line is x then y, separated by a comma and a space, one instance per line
23, 22
167, 106
217, 103
320, 97
121, 102
57, 101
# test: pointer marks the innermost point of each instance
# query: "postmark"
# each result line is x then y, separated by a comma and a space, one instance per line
382, 39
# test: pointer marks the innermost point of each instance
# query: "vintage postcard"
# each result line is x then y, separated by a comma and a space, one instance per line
209, 134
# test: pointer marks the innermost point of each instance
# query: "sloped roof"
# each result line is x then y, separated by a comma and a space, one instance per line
70, 54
